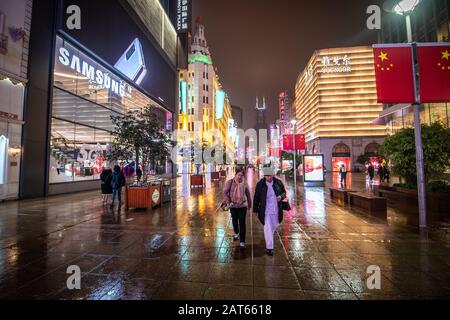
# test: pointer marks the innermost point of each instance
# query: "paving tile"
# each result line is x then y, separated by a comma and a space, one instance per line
275, 277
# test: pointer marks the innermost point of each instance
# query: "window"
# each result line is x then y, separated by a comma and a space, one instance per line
193, 126
181, 75
193, 99
204, 75
192, 112
207, 100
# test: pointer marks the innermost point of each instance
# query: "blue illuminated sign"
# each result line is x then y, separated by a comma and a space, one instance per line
183, 97
220, 104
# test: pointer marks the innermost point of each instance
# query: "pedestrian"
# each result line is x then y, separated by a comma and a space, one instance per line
238, 199
371, 172
139, 173
268, 205
382, 173
107, 189
343, 173
118, 182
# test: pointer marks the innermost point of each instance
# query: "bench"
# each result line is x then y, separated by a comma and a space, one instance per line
340, 195
368, 203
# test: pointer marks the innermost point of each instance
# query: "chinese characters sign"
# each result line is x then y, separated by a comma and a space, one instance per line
337, 64
183, 15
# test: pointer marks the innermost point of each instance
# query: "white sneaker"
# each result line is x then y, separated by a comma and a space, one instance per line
243, 245
236, 237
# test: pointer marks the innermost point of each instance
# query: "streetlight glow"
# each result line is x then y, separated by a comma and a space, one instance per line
405, 6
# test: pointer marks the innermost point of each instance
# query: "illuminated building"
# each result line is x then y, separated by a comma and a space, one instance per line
15, 20
336, 104
203, 105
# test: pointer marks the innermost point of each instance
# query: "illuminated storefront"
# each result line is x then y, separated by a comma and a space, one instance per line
86, 94
15, 17
336, 103
106, 69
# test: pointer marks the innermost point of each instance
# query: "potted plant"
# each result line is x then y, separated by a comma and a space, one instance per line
400, 150
139, 135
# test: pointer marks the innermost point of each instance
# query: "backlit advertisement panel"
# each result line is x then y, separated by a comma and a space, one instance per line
220, 104
313, 168
183, 97
339, 161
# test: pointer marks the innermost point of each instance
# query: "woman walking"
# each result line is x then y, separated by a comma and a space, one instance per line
107, 190
268, 205
238, 199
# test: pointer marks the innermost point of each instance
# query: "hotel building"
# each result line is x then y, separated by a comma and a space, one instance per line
336, 104
204, 107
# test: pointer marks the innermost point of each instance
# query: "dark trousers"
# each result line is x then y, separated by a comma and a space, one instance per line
239, 216
344, 178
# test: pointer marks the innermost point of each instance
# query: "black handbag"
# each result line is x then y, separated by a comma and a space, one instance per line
285, 206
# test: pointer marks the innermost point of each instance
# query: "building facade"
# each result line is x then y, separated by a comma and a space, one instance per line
15, 27
204, 107
336, 104
108, 67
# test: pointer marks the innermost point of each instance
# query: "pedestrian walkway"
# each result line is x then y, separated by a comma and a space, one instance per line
185, 250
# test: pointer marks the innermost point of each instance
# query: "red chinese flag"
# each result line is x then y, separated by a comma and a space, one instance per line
434, 66
288, 142
300, 142
394, 73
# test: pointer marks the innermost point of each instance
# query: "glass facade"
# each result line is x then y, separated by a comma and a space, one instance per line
429, 113
86, 94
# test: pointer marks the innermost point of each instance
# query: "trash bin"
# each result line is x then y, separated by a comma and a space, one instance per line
167, 191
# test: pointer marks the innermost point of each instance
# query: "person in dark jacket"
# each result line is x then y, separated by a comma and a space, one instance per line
107, 190
371, 172
117, 182
267, 204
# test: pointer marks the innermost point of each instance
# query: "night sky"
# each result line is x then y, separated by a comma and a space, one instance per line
261, 46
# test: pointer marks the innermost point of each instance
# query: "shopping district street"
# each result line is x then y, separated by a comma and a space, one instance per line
185, 250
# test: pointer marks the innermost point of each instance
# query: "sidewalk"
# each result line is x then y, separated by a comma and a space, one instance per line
184, 250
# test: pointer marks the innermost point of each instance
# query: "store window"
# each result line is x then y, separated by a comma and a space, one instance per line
438, 113
85, 96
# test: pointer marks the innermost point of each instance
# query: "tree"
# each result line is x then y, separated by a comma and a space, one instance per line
139, 134
363, 159
400, 150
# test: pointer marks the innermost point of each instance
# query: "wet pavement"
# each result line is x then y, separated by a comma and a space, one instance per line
185, 250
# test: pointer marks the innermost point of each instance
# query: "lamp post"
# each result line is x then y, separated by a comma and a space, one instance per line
406, 7
294, 123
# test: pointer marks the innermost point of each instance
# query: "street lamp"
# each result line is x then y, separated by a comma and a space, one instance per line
406, 7
294, 124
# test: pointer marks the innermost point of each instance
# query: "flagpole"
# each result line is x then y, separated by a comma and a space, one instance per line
421, 187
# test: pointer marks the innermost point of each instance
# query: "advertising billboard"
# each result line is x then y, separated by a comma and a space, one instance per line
220, 104
313, 168
337, 163
182, 15
183, 97
110, 35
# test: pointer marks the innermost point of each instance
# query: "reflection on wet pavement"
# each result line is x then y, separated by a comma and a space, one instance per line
185, 250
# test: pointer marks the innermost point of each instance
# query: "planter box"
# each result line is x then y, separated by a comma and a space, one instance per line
340, 195
406, 200
143, 198
197, 181
215, 176
367, 203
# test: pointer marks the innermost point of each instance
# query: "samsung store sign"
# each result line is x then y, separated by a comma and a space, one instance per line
73, 65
